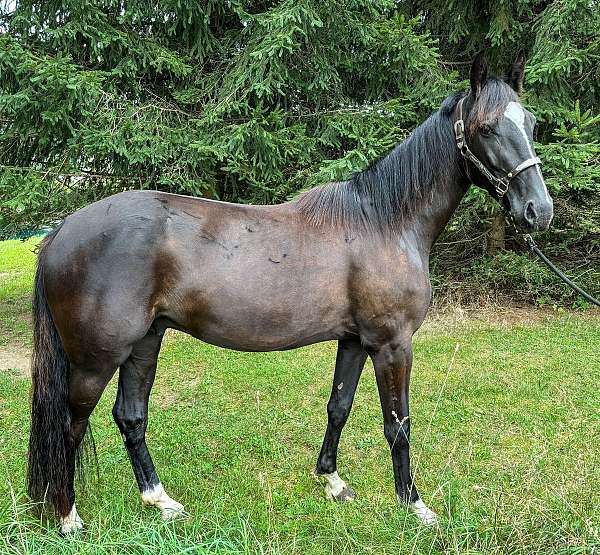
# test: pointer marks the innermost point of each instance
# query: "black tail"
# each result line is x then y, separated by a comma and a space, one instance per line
51, 457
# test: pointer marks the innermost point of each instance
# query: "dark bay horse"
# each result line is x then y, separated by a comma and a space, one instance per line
347, 261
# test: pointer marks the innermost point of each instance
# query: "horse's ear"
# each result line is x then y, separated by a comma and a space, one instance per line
515, 74
479, 73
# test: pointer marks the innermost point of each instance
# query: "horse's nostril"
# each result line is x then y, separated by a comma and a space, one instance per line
530, 213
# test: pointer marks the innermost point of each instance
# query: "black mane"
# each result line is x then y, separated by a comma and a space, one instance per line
390, 189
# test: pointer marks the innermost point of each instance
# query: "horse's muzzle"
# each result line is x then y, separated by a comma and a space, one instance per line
537, 215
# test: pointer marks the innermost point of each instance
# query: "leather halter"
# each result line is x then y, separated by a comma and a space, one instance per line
501, 184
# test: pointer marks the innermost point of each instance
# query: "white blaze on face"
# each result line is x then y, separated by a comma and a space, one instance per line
158, 497
515, 113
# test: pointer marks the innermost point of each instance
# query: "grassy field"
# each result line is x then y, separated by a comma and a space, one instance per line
506, 444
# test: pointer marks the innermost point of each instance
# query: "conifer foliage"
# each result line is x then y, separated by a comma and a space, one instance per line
238, 101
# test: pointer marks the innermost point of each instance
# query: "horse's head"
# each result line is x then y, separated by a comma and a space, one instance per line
495, 135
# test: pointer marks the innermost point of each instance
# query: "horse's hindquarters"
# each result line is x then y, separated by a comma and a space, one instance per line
100, 280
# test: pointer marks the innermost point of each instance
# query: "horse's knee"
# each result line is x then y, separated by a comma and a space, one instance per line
132, 425
397, 432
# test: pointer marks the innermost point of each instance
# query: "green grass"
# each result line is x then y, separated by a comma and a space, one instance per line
505, 446
17, 266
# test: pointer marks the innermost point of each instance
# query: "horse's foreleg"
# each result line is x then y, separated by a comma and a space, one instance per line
349, 364
130, 412
393, 363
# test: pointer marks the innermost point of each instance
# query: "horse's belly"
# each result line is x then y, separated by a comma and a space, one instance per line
222, 338
248, 334
252, 319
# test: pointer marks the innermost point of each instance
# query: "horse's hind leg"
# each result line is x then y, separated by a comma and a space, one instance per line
85, 389
349, 363
130, 412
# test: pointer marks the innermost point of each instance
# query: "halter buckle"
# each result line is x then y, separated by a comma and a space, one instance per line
459, 133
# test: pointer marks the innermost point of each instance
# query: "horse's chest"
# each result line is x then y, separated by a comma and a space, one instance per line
391, 293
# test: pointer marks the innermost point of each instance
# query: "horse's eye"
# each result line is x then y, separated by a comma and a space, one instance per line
486, 130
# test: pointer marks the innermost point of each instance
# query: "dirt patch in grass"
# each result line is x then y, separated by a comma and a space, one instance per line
13, 357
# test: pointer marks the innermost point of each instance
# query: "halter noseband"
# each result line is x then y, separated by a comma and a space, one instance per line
500, 183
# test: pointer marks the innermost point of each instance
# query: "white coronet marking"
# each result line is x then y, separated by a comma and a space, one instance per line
515, 113
334, 486
71, 523
423, 512
157, 497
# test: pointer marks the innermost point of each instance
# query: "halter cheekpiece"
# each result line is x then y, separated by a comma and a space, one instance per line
501, 184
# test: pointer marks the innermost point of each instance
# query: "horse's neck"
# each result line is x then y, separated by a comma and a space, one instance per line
432, 217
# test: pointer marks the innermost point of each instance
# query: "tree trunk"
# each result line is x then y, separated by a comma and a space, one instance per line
496, 234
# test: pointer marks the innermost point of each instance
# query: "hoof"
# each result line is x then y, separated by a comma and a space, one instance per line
70, 524
347, 494
336, 489
173, 512
424, 513
169, 508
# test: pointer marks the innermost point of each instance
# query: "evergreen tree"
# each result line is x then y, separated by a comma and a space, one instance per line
247, 102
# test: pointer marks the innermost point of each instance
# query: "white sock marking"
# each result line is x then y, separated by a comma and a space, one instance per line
423, 512
335, 485
157, 496
71, 522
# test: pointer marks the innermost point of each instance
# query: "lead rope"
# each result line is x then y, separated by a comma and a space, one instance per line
534, 249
